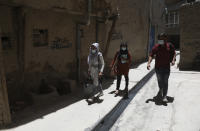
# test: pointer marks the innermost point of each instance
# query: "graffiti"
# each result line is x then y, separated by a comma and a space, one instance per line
60, 43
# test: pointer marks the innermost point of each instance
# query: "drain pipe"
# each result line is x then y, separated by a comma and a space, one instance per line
97, 31
78, 44
89, 10
149, 29
78, 39
114, 19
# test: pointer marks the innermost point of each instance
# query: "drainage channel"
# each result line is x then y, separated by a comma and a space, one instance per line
108, 121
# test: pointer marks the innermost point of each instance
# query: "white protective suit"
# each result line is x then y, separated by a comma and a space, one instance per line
96, 65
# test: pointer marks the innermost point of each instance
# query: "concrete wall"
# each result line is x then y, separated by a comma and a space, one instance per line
59, 26
7, 30
189, 34
158, 15
59, 19
133, 25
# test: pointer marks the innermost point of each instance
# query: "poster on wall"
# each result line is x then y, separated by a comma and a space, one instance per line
40, 37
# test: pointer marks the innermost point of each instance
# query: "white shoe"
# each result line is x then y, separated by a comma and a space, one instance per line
90, 100
100, 94
165, 99
116, 92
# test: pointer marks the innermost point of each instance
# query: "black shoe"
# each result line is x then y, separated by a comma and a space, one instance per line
126, 94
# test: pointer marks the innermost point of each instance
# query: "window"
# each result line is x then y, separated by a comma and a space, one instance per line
40, 37
172, 19
6, 43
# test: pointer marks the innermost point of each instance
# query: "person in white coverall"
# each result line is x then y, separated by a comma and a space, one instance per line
96, 67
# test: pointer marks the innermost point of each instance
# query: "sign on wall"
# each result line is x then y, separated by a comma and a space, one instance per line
40, 37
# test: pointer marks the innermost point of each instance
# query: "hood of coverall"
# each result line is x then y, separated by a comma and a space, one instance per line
97, 47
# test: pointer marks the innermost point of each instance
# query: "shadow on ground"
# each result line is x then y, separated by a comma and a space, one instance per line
120, 94
159, 102
97, 100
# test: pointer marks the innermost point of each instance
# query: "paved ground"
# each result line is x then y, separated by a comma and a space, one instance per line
180, 115
75, 115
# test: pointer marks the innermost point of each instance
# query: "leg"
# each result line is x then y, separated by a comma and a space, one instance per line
127, 81
119, 78
160, 83
165, 81
126, 87
94, 77
100, 84
100, 87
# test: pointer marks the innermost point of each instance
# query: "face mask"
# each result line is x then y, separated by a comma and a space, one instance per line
123, 48
123, 61
161, 42
93, 51
124, 56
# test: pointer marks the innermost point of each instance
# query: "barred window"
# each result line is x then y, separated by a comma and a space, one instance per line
172, 19
40, 37
6, 42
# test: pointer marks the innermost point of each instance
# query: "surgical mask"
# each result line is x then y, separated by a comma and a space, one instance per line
94, 51
124, 56
161, 42
123, 48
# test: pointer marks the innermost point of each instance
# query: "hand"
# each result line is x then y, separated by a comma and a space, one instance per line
148, 66
88, 72
100, 73
111, 67
173, 62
